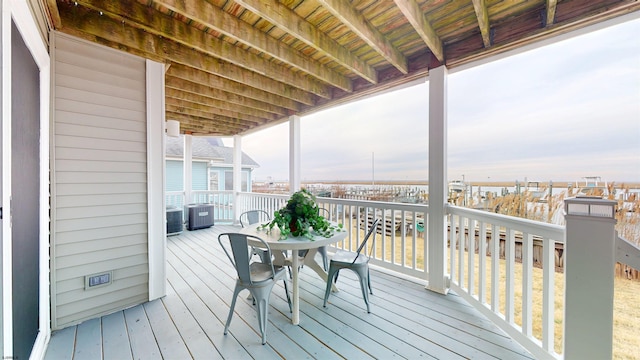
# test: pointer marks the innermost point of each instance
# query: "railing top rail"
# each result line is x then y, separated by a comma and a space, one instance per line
265, 195
376, 204
552, 231
211, 191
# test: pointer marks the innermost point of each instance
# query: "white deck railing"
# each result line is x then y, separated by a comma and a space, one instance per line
509, 274
399, 246
489, 282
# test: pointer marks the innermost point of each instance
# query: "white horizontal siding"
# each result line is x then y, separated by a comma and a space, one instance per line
88, 313
91, 200
105, 144
98, 244
99, 180
104, 222
96, 177
95, 117
115, 64
77, 283
99, 233
83, 212
98, 165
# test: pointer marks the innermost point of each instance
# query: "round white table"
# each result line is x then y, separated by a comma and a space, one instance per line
294, 244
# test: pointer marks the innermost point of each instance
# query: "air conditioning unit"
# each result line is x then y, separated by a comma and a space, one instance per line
174, 221
200, 216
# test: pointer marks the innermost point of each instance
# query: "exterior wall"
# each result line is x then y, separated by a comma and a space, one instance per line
174, 180
224, 178
99, 180
199, 176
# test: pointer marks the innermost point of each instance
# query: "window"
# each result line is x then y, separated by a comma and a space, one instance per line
228, 180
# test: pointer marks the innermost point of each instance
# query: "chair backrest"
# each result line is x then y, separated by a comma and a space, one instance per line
240, 255
324, 213
372, 230
253, 216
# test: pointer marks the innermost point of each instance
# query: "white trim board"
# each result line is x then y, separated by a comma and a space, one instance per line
19, 12
157, 228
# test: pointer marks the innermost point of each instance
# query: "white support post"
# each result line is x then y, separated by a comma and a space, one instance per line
437, 227
589, 274
294, 154
187, 166
237, 180
157, 225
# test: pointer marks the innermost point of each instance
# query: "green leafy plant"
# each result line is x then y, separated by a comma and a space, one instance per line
300, 217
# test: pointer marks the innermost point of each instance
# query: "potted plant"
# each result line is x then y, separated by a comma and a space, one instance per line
300, 217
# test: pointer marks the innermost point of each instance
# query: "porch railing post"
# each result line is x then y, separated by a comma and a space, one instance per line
294, 154
187, 168
436, 222
237, 179
589, 274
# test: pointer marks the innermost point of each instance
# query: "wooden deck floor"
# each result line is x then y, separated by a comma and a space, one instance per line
406, 321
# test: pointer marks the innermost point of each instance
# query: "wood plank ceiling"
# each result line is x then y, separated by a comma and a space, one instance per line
237, 66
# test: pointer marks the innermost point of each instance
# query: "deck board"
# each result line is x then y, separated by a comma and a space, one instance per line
143, 342
115, 339
406, 321
89, 340
170, 341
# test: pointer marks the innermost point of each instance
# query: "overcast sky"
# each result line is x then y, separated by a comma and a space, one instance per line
560, 112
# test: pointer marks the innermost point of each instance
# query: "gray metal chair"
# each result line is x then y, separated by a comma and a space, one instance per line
253, 217
257, 277
358, 262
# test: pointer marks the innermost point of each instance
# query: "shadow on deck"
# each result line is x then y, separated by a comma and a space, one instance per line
406, 321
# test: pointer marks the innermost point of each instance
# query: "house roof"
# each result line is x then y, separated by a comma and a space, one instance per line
233, 67
206, 148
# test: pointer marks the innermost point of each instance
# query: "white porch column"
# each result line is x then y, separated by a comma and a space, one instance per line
157, 225
294, 153
437, 222
187, 165
589, 274
237, 173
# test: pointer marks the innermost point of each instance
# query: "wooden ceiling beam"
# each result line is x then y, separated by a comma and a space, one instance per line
344, 12
551, 12
91, 22
421, 25
203, 103
155, 22
480, 6
207, 79
191, 122
54, 15
221, 95
213, 17
200, 113
287, 20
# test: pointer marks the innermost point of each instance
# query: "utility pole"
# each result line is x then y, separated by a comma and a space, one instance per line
373, 172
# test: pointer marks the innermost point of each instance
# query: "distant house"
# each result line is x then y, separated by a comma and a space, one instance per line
212, 165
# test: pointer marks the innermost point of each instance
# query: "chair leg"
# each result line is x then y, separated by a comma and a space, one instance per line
236, 291
286, 290
333, 273
263, 307
364, 281
262, 294
369, 281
